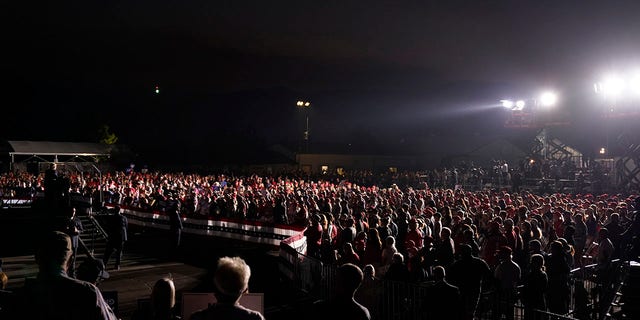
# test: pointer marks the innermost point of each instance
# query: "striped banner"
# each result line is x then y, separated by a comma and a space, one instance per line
251, 231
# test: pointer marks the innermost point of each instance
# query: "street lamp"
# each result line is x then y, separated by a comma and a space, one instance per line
305, 105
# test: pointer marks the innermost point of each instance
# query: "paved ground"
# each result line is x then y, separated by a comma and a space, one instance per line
146, 259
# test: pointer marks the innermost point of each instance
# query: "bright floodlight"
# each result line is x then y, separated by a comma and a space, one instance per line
612, 86
507, 103
548, 99
301, 103
520, 104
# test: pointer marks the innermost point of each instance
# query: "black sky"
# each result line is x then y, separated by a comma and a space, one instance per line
384, 72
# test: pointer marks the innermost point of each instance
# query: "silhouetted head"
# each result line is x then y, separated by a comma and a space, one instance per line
348, 277
53, 251
163, 297
465, 250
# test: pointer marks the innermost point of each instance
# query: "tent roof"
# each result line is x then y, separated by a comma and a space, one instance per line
49, 148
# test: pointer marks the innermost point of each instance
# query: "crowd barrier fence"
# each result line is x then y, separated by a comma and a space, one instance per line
589, 297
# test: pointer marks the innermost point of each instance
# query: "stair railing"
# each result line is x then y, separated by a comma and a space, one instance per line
97, 230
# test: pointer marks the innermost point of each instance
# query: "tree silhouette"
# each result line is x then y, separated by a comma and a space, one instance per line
107, 137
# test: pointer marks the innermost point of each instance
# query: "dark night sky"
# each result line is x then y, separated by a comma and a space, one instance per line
385, 72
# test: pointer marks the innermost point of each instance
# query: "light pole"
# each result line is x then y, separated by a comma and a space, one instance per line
305, 105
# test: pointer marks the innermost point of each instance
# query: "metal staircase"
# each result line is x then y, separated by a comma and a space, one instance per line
93, 238
626, 295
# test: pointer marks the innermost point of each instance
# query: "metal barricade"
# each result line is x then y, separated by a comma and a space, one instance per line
403, 300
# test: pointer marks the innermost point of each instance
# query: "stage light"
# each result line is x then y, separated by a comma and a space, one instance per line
507, 103
603, 150
520, 104
612, 86
548, 99
301, 103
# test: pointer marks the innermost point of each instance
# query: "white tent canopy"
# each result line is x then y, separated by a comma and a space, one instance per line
49, 148
49, 151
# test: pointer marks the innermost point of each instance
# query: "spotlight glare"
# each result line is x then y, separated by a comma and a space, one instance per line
507, 103
612, 86
520, 104
548, 98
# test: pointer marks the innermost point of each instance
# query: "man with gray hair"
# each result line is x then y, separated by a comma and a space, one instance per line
231, 281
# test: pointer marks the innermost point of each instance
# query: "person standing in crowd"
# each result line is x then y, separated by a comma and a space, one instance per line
314, 237
52, 193
231, 280
387, 254
369, 292
492, 241
580, 236
605, 254
373, 249
118, 225
346, 235
444, 299
469, 274
631, 236
54, 295
175, 225
73, 227
535, 287
507, 275
280, 211
402, 221
615, 230
591, 221
343, 304
558, 271
329, 236
398, 270
445, 250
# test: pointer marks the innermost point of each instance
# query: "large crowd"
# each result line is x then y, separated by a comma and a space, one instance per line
403, 226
